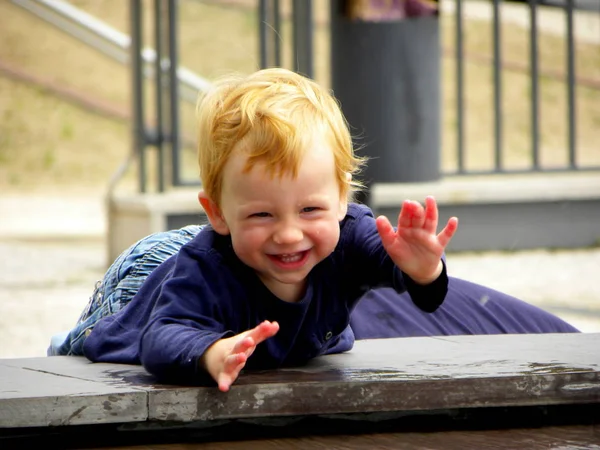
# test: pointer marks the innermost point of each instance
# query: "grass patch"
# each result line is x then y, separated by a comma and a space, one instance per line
36, 156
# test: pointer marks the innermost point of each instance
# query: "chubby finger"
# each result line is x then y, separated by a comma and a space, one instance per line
226, 378
446, 234
232, 365
233, 361
224, 382
243, 345
405, 216
417, 215
412, 215
431, 215
385, 230
263, 331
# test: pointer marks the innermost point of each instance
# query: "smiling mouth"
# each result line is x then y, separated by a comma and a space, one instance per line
290, 260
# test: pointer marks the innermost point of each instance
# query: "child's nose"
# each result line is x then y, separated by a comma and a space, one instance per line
288, 233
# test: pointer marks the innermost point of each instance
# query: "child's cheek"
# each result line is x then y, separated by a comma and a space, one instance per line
327, 233
252, 238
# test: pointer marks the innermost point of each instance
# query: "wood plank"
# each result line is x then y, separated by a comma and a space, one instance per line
31, 397
408, 374
121, 375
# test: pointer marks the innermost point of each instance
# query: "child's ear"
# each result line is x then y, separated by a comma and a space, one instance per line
213, 212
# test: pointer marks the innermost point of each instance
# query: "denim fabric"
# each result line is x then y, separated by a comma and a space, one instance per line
120, 283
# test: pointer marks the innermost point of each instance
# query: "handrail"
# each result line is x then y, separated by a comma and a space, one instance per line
106, 39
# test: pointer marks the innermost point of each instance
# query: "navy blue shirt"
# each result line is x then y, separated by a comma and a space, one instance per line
205, 293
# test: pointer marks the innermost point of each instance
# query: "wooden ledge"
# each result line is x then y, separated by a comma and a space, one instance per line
391, 375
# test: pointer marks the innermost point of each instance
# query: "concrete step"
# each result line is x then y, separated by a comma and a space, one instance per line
500, 212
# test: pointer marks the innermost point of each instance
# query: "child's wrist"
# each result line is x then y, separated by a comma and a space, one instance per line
431, 278
206, 361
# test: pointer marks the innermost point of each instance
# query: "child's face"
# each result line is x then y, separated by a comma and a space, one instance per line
283, 227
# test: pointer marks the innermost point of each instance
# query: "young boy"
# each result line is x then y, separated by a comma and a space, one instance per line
272, 281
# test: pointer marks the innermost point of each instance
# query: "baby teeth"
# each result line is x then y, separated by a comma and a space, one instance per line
290, 258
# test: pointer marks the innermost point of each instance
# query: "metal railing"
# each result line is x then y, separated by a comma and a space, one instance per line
172, 82
534, 77
269, 25
107, 40
270, 55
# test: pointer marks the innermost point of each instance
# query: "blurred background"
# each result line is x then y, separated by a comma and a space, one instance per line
491, 106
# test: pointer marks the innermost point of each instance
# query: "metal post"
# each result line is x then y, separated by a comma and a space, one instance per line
460, 111
572, 139
533, 57
277, 32
269, 26
497, 87
159, 78
174, 90
262, 33
303, 37
137, 89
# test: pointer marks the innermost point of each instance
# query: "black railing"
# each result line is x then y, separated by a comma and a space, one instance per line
165, 134
534, 76
270, 20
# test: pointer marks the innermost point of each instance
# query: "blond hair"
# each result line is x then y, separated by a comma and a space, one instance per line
272, 114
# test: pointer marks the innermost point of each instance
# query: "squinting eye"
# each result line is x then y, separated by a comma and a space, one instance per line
260, 214
309, 209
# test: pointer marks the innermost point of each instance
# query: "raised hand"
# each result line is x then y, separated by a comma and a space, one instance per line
227, 357
414, 246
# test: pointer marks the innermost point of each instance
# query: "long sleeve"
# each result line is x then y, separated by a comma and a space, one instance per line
428, 297
180, 310
191, 314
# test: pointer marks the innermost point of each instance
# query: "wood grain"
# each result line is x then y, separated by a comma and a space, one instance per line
377, 376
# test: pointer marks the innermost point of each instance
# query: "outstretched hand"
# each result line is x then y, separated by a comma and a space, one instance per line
414, 246
227, 357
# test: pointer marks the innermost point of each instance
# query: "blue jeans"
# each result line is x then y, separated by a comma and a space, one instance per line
120, 283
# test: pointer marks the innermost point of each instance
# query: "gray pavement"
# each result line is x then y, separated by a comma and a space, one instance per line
54, 251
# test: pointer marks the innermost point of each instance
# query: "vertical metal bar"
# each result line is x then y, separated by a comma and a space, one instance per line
533, 56
459, 88
269, 28
158, 77
497, 87
262, 33
137, 89
572, 139
303, 37
277, 32
174, 90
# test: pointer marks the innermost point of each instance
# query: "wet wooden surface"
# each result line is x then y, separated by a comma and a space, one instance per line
558, 438
35, 392
410, 374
